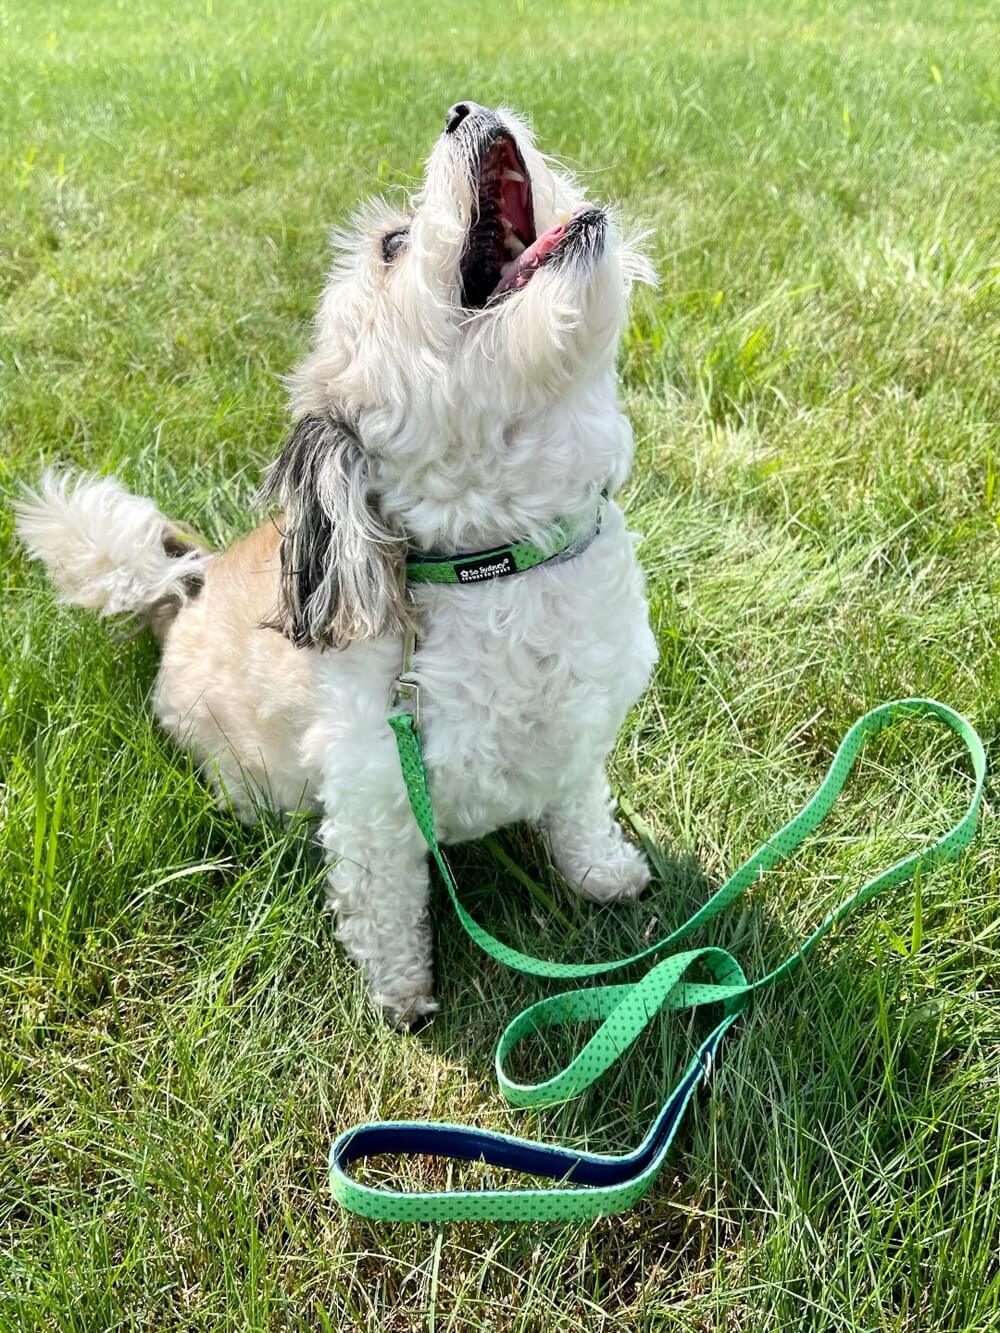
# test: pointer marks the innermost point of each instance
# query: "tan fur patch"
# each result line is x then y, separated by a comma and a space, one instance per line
239, 693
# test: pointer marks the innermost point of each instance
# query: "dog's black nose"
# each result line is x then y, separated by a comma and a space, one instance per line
457, 113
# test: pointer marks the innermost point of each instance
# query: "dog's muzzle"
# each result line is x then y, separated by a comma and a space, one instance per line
503, 249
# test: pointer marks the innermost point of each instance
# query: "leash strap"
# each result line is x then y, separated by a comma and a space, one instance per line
591, 1185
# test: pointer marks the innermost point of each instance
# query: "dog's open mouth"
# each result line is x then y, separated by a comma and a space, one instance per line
502, 252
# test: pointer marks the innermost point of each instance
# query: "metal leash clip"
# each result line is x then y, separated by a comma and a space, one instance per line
405, 689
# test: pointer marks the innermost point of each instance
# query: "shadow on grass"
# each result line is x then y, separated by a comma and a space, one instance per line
478, 995
801, 1077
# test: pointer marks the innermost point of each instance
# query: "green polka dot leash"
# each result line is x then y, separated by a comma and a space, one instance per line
588, 1184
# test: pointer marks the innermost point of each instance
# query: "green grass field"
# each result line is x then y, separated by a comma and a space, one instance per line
814, 392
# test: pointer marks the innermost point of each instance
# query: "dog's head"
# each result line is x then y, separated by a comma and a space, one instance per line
454, 339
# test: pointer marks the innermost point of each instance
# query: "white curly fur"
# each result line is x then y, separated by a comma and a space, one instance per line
102, 546
476, 427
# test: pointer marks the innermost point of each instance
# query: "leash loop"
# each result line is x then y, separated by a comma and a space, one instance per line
588, 1184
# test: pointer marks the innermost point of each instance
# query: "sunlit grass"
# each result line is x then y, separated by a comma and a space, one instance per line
814, 393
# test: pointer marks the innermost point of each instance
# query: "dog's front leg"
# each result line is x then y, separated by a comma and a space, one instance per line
588, 846
378, 888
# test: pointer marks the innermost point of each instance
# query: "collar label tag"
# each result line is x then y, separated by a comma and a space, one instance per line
489, 567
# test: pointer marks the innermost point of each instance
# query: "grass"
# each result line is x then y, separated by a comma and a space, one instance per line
815, 399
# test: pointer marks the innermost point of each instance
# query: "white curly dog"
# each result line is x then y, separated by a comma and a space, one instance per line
461, 394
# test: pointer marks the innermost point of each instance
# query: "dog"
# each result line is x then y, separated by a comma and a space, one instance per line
461, 394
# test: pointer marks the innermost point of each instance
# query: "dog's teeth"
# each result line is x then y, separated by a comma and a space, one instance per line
510, 175
515, 245
562, 216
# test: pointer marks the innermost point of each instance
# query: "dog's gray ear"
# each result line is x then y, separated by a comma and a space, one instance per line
343, 567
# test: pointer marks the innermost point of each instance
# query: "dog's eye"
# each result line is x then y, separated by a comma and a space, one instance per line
392, 243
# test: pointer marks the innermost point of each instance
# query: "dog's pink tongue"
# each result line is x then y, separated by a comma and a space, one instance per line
515, 274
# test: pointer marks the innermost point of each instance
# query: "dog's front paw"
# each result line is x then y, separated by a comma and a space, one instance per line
404, 1012
620, 876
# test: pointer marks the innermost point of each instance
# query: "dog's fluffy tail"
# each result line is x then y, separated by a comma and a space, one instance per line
109, 550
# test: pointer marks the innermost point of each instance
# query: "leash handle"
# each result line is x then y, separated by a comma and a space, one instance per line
592, 1185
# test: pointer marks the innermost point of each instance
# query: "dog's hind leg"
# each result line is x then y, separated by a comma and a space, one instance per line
588, 846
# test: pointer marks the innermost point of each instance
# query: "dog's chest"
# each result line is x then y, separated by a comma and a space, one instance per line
525, 683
